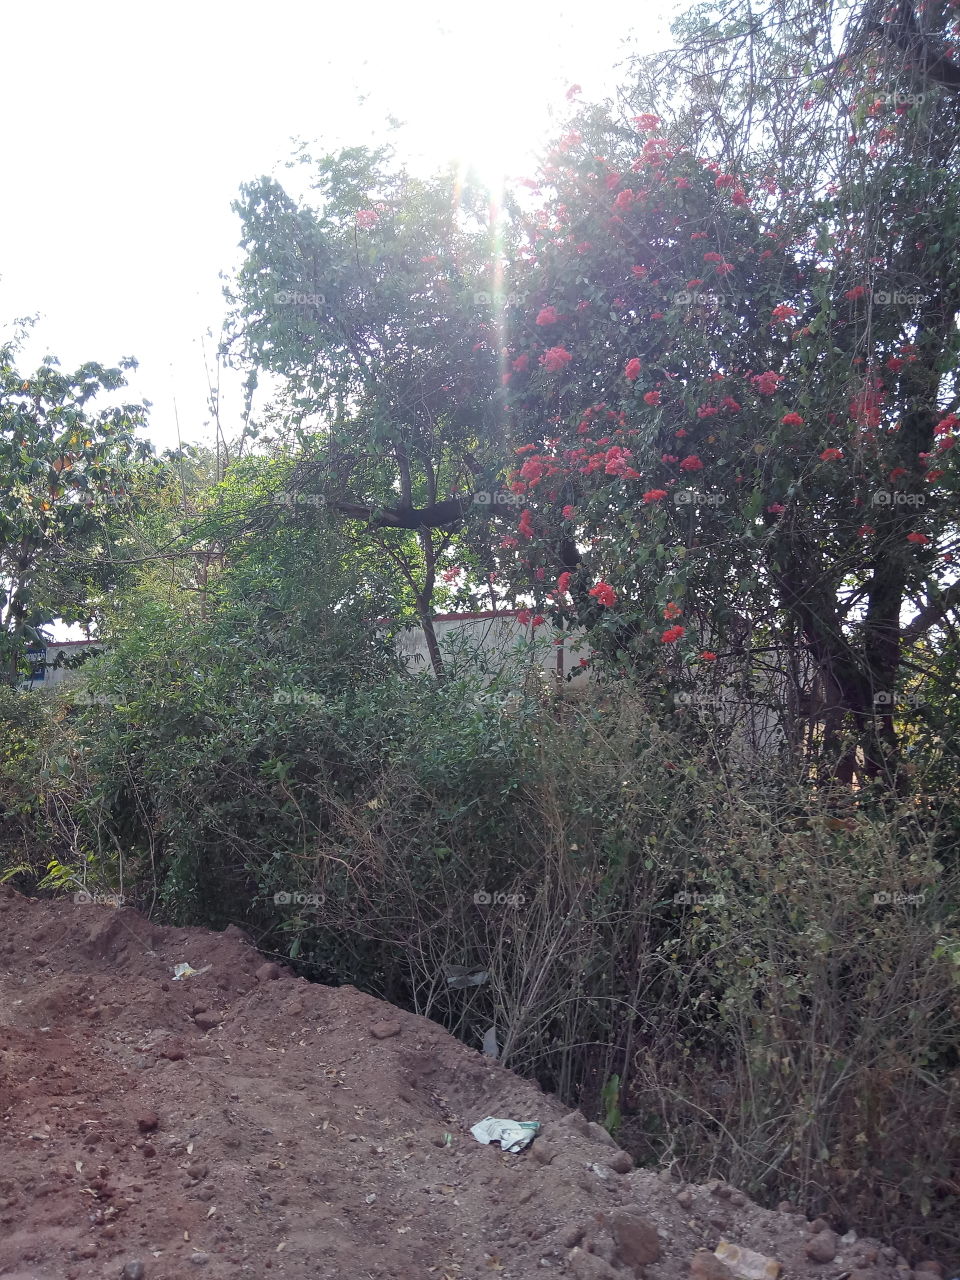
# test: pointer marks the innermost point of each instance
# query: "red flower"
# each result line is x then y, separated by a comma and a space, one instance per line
648, 121
776, 508
563, 583
853, 294
713, 257
708, 656
654, 495
555, 358
671, 634
652, 398
520, 364
569, 512
931, 476
625, 199
692, 463
548, 316
895, 364
792, 420
523, 617
367, 218
728, 402
783, 312
724, 180
866, 530
724, 268
539, 620
831, 455
632, 369
604, 593
767, 383
639, 272
919, 538
672, 611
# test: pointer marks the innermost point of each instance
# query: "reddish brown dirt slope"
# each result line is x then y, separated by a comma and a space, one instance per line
248, 1123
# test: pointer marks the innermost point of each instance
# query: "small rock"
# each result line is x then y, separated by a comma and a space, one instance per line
723, 1191
685, 1198
148, 1149
133, 1271
599, 1133
148, 1121
198, 1170
268, 972
207, 1021
705, 1265
822, 1247
88, 1250
717, 1220
384, 1030
543, 1152
200, 1259
577, 1123
739, 1199
637, 1241
587, 1266
573, 1235
819, 1224
622, 1162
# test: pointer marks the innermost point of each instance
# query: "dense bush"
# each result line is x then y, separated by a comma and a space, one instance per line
693, 956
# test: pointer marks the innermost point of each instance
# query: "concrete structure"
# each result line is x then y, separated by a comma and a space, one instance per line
44, 674
497, 644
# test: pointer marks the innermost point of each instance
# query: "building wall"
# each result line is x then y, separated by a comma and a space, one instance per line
47, 677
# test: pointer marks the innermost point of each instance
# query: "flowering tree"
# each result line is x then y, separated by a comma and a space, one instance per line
734, 390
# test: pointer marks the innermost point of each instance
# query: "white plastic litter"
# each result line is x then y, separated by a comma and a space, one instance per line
181, 971
513, 1135
490, 1046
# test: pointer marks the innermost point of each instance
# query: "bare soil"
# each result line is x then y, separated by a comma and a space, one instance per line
246, 1122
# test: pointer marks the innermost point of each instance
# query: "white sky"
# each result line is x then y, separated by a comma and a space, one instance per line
130, 129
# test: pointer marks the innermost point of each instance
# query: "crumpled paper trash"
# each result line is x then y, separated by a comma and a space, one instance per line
513, 1135
181, 971
745, 1264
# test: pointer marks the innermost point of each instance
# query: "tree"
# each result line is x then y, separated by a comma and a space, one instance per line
65, 472
372, 303
742, 334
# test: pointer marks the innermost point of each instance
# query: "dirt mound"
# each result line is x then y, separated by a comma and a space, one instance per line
244, 1122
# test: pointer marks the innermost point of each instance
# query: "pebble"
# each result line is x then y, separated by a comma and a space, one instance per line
622, 1162
268, 972
822, 1247
148, 1121
685, 1199
384, 1030
200, 1259
705, 1265
637, 1240
133, 1271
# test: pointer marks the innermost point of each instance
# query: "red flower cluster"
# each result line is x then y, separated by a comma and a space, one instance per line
554, 359
632, 369
792, 420
672, 611
654, 495
548, 315
604, 593
652, 397
672, 634
767, 383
